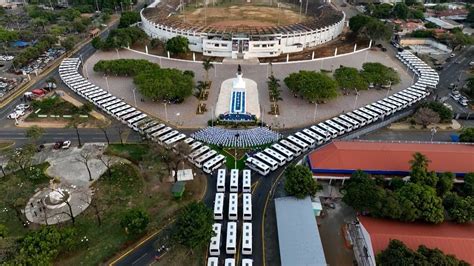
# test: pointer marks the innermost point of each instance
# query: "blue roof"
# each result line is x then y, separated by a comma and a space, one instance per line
20, 44
298, 234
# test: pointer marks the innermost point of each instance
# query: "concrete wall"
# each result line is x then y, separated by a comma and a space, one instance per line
423, 41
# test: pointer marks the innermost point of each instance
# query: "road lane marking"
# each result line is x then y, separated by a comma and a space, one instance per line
141, 257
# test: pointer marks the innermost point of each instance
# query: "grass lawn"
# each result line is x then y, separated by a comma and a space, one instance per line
132, 152
15, 191
56, 106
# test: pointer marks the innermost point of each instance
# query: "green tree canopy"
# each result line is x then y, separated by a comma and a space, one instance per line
419, 171
467, 135
420, 202
177, 45
350, 78
377, 73
460, 209
357, 22
312, 86
445, 114
34, 133
119, 38
362, 193
193, 227
134, 221
299, 182
445, 183
7, 35
41, 247
401, 10
468, 187
128, 18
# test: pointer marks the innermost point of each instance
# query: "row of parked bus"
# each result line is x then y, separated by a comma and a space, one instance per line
202, 156
298, 143
232, 216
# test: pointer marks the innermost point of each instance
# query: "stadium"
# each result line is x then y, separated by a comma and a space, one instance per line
244, 30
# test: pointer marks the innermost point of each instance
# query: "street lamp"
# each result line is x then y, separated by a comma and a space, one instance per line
107, 83
433, 132
134, 96
355, 100
177, 118
315, 111
166, 113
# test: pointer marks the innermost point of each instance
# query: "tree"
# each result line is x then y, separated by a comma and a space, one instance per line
420, 202
39, 23
85, 157
350, 78
207, 65
134, 221
397, 253
419, 171
468, 187
467, 135
445, 114
382, 11
34, 133
7, 35
20, 158
274, 89
377, 73
128, 18
299, 182
193, 227
181, 151
107, 161
3, 231
462, 209
103, 127
361, 193
97, 43
75, 122
41, 247
401, 11
445, 183
69, 43
312, 86
177, 45
357, 22
425, 116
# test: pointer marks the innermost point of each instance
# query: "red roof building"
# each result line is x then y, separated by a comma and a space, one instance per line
451, 238
389, 158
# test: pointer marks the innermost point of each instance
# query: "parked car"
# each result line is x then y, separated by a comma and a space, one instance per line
16, 114
22, 107
463, 103
454, 96
66, 144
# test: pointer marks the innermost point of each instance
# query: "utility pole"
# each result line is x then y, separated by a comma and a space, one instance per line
306, 9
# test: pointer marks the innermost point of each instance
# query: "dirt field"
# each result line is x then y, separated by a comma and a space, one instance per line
235, 16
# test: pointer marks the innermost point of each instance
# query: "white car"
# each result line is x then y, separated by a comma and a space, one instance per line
454, 96
66, 144
16, 114
22, 107
463, 103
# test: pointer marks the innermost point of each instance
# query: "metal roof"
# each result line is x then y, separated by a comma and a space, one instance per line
298, 235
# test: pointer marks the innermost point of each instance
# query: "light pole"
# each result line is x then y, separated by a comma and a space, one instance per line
355, 100
166, 113
107, 83
177, 119
118, 55
315, 111
212, 116
433, 132
134, 97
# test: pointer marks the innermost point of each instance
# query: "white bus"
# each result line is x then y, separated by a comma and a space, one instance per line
195, 154
144, 125
160, 132
402, 102
233, 206
213, 261
175, 139
293, 148
220, 184
283, 151
298, 142
414, 98
329, 129
213, 164
110, 103
247, 239
229, 262
132, 122
388, 110
257, 166
319, 140
370, 113
234, 180
246, 181
215, 245
122, 110
369, 118
149, 131
380, 112
275, 156
168, 135
361, 120
247, 207
127, 117
347, 126
195, 145
219, 206
323, 133
106, 100
247, 262
206, 156
267, 160
402, 99
392, 107
349, 120
305, 138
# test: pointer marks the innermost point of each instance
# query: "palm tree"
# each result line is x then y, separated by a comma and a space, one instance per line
201, 88
274, 90
419, 161
207, 65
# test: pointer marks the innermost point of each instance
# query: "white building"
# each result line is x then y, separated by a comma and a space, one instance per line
253, 43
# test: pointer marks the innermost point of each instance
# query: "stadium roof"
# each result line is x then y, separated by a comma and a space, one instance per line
390, 158
451, 238
298, 235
